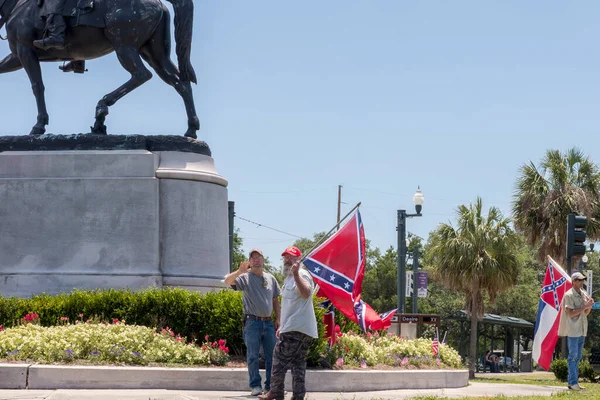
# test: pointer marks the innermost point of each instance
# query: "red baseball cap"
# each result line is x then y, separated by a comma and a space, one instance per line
292, 251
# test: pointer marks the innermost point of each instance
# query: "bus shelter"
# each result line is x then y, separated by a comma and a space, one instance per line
511, 328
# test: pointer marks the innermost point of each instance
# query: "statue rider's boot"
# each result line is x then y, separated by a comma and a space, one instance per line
77, 66
56, 39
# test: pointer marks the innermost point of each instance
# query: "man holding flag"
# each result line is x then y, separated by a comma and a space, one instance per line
576, 305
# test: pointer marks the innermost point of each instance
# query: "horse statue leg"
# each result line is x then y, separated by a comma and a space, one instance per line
30, 61
130, 59
10, 63
156, 53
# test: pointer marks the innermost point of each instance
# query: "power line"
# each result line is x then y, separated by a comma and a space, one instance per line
268, 227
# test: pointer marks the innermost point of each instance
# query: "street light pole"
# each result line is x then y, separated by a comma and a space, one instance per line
418, 199
401, 261
415, 269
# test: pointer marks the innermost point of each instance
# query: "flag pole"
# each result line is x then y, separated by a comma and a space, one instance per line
326, 236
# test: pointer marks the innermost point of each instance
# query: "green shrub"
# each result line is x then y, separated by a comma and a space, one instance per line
560, 367
191, 314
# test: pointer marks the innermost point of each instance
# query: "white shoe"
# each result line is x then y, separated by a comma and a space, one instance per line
256, 391
575, 388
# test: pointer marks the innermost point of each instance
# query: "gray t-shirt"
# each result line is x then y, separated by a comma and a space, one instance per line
298, 313
258, 293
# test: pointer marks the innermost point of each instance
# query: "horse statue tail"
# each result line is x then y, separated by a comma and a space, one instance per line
184, 20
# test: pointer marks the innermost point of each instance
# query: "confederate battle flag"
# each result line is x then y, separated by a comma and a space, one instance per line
338, 267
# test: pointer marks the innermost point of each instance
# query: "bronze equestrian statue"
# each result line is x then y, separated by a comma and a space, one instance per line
79, 30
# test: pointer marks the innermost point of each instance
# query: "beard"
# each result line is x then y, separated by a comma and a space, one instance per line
287, 268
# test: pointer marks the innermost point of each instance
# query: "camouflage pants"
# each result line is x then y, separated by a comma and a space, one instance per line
290, 352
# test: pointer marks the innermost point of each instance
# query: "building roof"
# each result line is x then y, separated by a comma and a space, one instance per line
461, 315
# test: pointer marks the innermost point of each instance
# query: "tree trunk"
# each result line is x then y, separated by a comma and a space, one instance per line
473, 341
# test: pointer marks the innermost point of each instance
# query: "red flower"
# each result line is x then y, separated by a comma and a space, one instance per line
203, 347
1, 328
64, 318
221, 342
206, 337
347, 349
115, 320
337, 328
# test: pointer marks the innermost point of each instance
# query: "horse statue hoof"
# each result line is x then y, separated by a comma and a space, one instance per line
98, 130
36, 131
191, 134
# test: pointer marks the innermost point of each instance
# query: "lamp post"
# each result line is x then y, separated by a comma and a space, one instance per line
402, 249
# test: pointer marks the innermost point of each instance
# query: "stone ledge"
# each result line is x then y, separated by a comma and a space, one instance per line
233, 379
90, 141
13, 376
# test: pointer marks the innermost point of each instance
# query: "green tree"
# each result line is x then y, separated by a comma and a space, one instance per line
238, 251
476, 256
379, 283
545, 195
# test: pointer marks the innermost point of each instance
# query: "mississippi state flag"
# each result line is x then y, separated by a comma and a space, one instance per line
338, 267
556, 284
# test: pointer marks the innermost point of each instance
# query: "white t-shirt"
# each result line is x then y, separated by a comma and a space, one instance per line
297, 313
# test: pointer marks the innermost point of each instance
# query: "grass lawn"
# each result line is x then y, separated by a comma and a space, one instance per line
545, 379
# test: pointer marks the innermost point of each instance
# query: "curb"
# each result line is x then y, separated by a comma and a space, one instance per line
24, 376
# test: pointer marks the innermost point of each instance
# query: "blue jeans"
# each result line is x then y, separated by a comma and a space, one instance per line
575, 345
257, 333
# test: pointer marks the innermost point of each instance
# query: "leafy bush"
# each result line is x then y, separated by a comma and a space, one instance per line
106, 343
370, 350
189, 313
560, 367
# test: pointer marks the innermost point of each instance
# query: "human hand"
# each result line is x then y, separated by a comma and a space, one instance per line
295, 268
244, 265
277, 332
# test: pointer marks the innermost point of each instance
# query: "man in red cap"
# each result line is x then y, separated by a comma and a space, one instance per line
297, 330
260, 296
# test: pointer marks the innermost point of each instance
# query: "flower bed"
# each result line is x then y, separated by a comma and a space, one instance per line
352, 350
102, 343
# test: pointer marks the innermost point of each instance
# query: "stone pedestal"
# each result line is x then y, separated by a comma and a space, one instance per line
130, 212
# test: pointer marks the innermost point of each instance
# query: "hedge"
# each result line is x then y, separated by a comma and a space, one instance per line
189, 313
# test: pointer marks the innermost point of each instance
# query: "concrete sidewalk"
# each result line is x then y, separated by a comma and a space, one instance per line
475, 389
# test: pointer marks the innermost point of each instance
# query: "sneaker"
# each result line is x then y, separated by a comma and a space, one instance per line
575, 388
256, 391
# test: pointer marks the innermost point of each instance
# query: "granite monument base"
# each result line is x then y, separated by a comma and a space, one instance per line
86, 212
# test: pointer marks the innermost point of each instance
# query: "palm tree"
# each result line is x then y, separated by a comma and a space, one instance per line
478, 255
546, 195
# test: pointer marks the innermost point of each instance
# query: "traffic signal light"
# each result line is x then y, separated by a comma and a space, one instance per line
575, 235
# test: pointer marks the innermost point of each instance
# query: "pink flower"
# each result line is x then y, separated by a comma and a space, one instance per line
221, 342
363, 364
204, 348
337, 328
80, 315
1, 328
206, 337
404, 361
64, 318
115, 320
339, 362
437, 361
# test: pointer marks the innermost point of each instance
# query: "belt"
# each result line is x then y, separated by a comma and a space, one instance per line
254, 317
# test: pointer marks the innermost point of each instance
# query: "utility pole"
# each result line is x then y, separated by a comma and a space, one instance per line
339, 206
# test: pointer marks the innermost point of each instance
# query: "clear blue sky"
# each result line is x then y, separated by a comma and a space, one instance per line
380, 96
